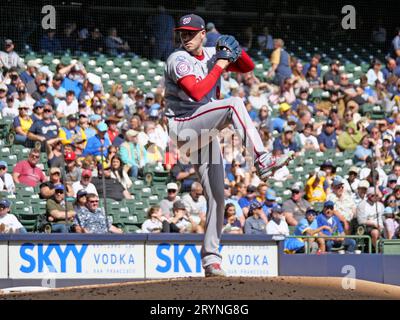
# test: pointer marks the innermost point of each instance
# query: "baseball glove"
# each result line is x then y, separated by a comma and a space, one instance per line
228, 48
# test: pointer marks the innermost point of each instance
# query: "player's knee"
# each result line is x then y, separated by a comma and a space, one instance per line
236, 102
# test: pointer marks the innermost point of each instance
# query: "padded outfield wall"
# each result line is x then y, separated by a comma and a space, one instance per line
37, 259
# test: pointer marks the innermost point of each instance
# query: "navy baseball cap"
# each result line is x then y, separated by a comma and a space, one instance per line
311, 211
329, 203
5, 203
81, 193
59, 187
191, 22
255, 205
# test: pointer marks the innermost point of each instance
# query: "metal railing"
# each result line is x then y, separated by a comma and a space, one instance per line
380, 243
334, 237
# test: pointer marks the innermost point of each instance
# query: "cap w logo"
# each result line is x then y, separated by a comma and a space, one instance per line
186, 20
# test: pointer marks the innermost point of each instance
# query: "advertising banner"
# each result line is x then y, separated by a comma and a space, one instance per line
171, 260
3, 260
77, 260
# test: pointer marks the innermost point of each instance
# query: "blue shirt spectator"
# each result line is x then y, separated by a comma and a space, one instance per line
49, 43
327, 139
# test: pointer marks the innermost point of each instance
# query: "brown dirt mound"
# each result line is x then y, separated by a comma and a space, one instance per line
298, 288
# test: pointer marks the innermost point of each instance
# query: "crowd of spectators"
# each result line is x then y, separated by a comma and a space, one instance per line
92, 137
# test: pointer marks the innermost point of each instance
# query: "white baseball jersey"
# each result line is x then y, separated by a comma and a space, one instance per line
181, 64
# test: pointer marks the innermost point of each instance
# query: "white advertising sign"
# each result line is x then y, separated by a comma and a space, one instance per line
171, 260
3, 260
76, 260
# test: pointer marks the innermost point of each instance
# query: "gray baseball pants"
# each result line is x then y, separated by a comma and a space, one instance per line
193, 134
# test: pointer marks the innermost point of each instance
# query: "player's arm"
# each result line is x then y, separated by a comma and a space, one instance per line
198, 90
243, 64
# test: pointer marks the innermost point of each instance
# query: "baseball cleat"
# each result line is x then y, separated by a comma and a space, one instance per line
267, 164
214, 270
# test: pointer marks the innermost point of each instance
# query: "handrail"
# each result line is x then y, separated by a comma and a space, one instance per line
337, 237
379, 241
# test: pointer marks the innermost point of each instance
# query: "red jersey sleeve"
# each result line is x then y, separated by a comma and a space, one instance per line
198, 90
243, 64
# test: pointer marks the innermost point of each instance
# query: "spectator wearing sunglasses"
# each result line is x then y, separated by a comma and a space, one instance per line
21, 124
344, 203
9, 110
166, 204
55, 209
92, 218
6, 180
43, 131
26, 171
328, 218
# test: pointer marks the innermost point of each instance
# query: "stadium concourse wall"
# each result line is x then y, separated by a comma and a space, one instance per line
73, 259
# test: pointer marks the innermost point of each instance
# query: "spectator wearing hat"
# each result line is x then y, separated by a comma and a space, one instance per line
113, 188
370, 214
84, 183
9, 58
94, 43
295, 208
99, 143
112, 131
181, 221
361, 191
391, 184
93, 219
21, 124
67, 107
279, 122
9, 110
286, 141
6, 180
43, 130
56, 180
232, 225
41, 92
91, 129
28, 76
3, 96
391, 223
80, 201
9, 222
56, 212
269, 202
332, 77
386, 155
37, 112
166, 204
328, 218
308, 226
317, 187
24, 98
132, 153
72, 171
344, 203
213, 35
327, 139
278, 226
254, 223
72, 134
26, 171
352, 181
247, 199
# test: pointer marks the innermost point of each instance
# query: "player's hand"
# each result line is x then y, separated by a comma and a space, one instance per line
228, 48
223, 64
